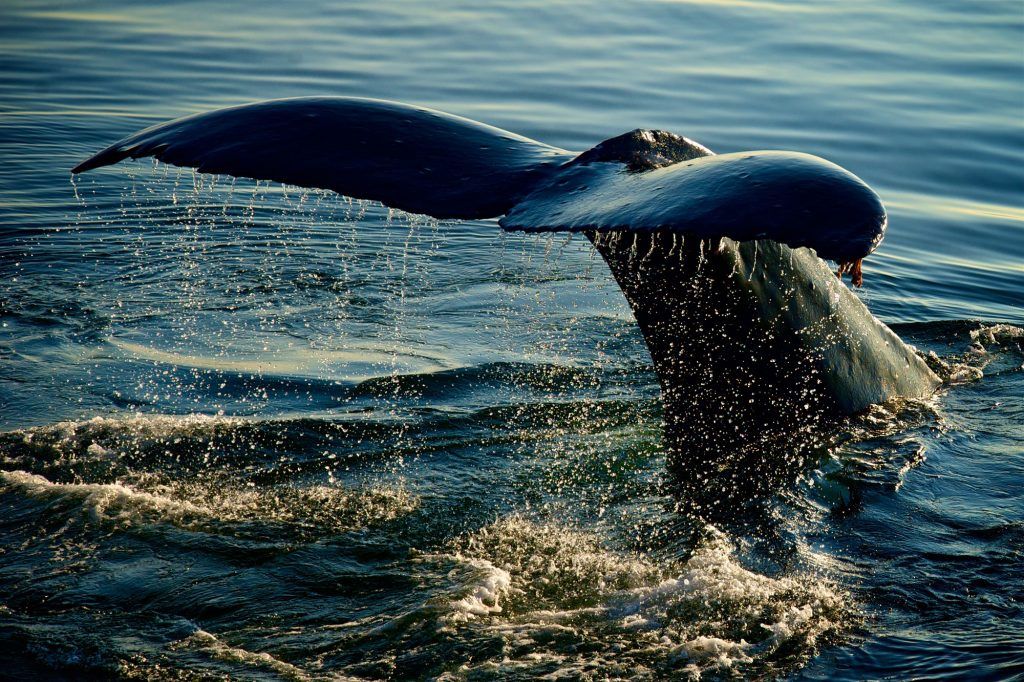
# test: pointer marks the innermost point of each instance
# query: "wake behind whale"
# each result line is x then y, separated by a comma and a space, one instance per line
755, 343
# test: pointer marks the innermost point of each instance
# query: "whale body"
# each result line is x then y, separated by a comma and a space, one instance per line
755, 342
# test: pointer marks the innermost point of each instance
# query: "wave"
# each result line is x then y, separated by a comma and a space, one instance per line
217, 505
566, 606
212, 645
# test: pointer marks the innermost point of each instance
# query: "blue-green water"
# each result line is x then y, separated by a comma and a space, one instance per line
261, 433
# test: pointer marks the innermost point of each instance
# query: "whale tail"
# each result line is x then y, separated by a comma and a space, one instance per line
758, 350
753, 340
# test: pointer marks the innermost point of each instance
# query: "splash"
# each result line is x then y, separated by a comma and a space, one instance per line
987, 345
998, 335
564, 605
105, 467
219, 506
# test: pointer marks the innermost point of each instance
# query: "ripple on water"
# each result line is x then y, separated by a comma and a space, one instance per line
96, 469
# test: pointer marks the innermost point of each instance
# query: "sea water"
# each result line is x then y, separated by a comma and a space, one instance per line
268, 433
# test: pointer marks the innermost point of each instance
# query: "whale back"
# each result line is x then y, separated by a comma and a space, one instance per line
407, 157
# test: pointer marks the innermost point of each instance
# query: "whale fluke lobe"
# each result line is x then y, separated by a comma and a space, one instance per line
793, 198
755, 342
406, 157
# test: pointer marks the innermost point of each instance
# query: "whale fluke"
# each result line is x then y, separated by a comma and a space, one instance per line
755, 343
426, 161
412, 158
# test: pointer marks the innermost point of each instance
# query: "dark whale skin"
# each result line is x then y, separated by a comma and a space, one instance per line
789, 197
407, 157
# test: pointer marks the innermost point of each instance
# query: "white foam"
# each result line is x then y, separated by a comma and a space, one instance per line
566, 603
150, 425
209, 643
96, 450
105, 437
484, 597
722, 653
953, 371
197, 504
997, 334
106, 501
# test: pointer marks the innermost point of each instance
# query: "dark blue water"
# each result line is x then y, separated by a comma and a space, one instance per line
258, 432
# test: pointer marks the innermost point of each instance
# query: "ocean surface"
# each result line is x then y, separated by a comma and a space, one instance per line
253, 432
